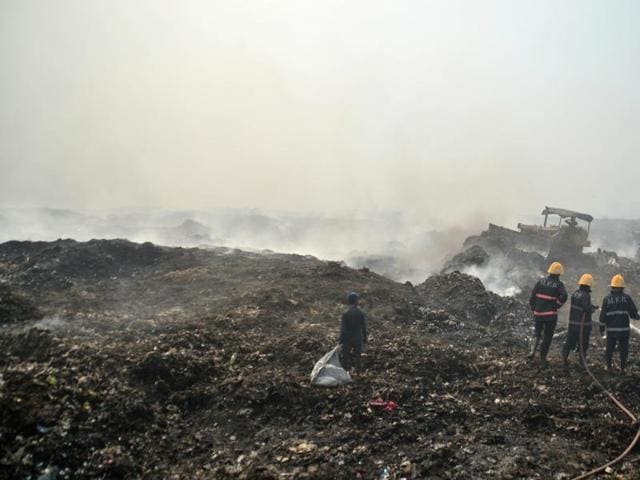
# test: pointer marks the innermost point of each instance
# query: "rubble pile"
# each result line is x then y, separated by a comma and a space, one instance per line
498, 257
200, 369
494, 240
475, 255
462, 295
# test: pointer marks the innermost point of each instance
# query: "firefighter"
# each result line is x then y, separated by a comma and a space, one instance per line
353, 333
579, 317
617, 308
547, 297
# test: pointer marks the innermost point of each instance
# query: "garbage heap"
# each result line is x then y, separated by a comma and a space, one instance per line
195, 364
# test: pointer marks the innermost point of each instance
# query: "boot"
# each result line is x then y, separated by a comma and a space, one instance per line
532, 354
543, 361
565, 357
544, 351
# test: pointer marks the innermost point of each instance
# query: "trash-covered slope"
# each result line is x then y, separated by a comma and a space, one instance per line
200, 369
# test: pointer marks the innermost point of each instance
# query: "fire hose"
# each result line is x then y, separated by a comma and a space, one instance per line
616, 402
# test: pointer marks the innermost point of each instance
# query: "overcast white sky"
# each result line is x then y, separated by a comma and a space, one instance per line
452, 108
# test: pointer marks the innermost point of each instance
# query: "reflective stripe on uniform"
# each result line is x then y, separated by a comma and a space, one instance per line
575, 307
544, 314
618, 329
545, 297
617, 312
586, 324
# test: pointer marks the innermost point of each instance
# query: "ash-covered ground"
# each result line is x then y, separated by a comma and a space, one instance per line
124, 360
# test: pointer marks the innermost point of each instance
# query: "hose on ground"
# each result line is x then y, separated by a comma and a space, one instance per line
616, 402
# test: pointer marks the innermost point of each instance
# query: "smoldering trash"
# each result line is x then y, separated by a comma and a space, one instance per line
195, 363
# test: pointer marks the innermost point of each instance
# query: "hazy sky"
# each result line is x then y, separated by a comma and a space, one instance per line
449, 108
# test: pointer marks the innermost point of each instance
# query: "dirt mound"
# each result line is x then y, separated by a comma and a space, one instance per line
493, 240
15, 307
526, 261
472, 256
59, 263
461, 295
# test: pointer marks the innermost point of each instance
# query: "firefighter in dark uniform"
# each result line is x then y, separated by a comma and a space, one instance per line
579, 317
353, 333
547, 297
617, 309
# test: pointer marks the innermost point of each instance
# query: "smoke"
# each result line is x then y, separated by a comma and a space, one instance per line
393, 244
620, 236
377, 133
55, 324
438, 109
495, 278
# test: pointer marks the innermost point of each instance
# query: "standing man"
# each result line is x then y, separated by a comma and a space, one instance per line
579, 318
353, 333
547, 297
617, 308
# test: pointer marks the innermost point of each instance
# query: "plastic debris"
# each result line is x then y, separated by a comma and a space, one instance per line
328, 371
386, 405
49, 473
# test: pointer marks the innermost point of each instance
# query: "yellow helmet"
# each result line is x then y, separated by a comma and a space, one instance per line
617, 281
556, 269
586, 279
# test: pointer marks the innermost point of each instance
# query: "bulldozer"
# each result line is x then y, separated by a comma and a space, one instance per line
563, 234
565, 238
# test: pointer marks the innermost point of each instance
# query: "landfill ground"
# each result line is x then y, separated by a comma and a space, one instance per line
123, 360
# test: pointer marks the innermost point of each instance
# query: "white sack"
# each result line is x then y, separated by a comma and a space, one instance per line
328, 371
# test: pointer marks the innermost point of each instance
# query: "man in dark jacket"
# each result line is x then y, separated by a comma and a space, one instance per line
547, 297
617, 308
353, 333
579, 318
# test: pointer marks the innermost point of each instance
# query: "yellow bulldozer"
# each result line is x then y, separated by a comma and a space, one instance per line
563, 234
566, 237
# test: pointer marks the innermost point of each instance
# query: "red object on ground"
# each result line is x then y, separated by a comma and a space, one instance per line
390, 406
387, 405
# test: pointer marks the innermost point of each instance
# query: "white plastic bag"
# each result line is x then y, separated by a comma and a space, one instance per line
328, 371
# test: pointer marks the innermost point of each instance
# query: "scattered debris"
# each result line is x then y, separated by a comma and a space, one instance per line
205, 374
